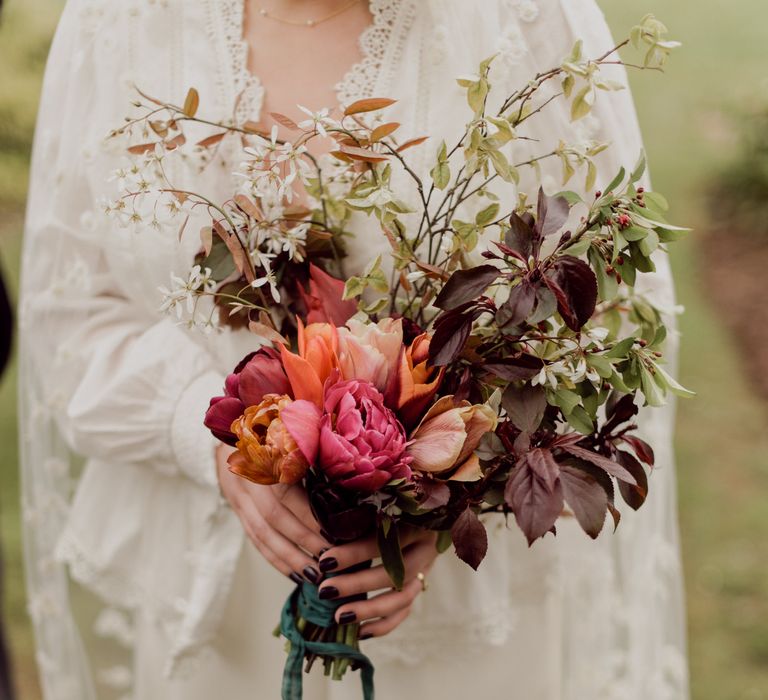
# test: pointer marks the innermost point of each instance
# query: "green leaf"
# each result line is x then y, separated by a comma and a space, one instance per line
565, 399
639, 169
353, 288
649, 244
666, 381
579, 248
617, 180
657, 201
577, 52
591, 175
634, 233
583, 102
391, 553
601, 364
441, 175
568, 83
620, 350
653, 394
443, 541
580, 421
476, 95
487, 215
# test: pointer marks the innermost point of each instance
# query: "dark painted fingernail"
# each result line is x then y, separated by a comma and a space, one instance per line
328, 564
311, 574
296, 578
328, 593
347, 617
365, 636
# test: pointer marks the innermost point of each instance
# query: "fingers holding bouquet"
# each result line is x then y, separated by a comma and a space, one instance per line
277, 519
385, 607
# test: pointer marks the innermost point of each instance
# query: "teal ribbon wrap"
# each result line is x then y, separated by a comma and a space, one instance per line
305, 602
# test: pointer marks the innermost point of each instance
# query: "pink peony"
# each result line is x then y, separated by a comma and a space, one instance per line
257, 375
355, 440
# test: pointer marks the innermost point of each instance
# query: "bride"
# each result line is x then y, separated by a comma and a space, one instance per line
125, 492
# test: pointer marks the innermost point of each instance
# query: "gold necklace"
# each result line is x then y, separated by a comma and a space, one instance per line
307, 22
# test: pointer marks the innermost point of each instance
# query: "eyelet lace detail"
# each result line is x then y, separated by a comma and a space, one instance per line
384, 34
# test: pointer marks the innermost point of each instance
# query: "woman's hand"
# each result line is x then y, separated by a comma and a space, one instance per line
280, 523
277, 519
381, 613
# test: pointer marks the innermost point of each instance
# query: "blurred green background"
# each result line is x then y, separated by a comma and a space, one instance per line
689, 119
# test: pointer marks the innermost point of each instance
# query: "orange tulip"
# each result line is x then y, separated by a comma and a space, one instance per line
266, 452
415, 383
316, 359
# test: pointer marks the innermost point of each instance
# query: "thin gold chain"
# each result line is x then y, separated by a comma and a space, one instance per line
308, 22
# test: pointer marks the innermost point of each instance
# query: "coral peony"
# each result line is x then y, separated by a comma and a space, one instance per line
267, 454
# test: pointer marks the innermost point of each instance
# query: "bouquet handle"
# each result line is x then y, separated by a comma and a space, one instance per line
306, 602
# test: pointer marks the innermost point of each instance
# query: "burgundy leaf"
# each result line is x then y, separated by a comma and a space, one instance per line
546, 305
470, 538
535, 494
634, 495
435, 493
519, 237
615, 515
535, 505
451, 332
544, 466
466, 285
586, 498
575, 287
642, 449
607, 465
566, 439
552, 213
518, 306
520, 367
525, 406
621, 410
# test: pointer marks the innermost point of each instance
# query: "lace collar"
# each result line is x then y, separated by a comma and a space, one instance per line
380, 44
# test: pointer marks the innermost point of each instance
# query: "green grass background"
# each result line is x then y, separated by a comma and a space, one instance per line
722, 434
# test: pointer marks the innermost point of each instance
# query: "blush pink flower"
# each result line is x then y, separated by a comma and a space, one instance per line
445, 440
370, 351
355, 440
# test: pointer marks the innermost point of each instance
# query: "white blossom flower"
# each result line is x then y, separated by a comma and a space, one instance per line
318, 121
184, 293
268, 279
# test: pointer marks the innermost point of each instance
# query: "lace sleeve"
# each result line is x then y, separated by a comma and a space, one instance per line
119, 384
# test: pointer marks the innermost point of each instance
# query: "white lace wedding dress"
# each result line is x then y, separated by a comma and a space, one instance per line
119, 485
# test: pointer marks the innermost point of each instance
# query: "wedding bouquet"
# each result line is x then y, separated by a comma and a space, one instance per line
494, 367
